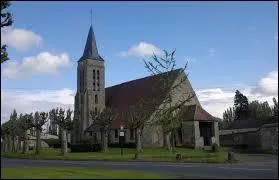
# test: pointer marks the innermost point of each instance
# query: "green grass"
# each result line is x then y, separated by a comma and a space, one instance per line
74, 173
148, 154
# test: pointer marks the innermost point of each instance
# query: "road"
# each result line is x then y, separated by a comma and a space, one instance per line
266, 170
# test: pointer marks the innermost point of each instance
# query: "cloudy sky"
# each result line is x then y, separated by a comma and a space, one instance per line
229, 46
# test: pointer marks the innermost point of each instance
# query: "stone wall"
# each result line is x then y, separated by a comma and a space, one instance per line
269, 136
188, 134
265, 137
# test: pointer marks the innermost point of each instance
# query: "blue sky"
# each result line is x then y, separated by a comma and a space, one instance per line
229, 45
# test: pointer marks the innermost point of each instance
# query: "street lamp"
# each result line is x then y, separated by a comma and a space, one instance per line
121, 138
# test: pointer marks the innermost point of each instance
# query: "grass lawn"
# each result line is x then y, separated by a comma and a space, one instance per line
148, 154
74, 173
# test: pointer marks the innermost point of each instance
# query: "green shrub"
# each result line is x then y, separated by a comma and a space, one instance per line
214, 147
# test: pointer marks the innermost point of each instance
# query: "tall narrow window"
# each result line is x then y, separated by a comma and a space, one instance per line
132, 134
94, 75
98, 75
81, 79
96, 111
116, 133
96, 98
98, 86
94, 79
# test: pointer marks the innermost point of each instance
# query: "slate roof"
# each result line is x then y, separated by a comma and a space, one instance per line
196, 113
120, 97
90, 49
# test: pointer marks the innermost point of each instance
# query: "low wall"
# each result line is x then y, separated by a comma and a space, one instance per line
265, 137
269, 136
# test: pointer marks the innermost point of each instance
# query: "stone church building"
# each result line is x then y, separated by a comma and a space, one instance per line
198, 127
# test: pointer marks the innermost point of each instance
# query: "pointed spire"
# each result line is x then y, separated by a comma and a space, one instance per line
90, 50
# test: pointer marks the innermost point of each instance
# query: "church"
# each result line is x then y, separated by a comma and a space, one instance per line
198, 127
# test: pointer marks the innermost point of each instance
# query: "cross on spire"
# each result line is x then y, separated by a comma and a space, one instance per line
91, 17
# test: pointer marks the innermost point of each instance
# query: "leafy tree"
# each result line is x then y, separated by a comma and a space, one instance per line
241, 106
103, 120
65, 124
6, 20
166, 114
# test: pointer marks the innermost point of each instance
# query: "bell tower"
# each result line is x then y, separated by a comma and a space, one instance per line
90, 94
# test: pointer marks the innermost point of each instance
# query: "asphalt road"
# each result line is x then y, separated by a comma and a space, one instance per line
268, 169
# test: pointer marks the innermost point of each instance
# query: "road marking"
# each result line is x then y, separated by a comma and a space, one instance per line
246, 169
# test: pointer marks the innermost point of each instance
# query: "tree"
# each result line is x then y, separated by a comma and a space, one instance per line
228, 115
166, 114
137, 118
6, 20
65, 124
6, 134
25, 124
38, 121
275, 107
103, 120
241, 106
13, 130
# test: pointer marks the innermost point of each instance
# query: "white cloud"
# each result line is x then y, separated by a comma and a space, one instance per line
211, 52
43, 63
142, 49
269, 83
217, 100
20, 39
27, 101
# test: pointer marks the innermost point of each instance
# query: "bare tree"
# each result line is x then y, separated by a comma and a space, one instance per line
103, 121
25, 124
38, 121
65, 124
137, 118
166, 113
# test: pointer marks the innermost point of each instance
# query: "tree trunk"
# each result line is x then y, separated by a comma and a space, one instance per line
167, 143
13, 144
64, 142
138, 140
9, 144
25, 143
5, 144
38, 141
104, 134
19, 144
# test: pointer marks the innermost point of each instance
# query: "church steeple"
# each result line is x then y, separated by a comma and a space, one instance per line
90, 49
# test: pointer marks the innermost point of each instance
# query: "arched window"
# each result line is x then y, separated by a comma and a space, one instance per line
96, 98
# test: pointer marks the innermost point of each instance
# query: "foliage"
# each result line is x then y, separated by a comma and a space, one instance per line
6, 20
241, 106
256, 112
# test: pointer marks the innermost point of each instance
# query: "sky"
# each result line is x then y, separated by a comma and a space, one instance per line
228, 46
